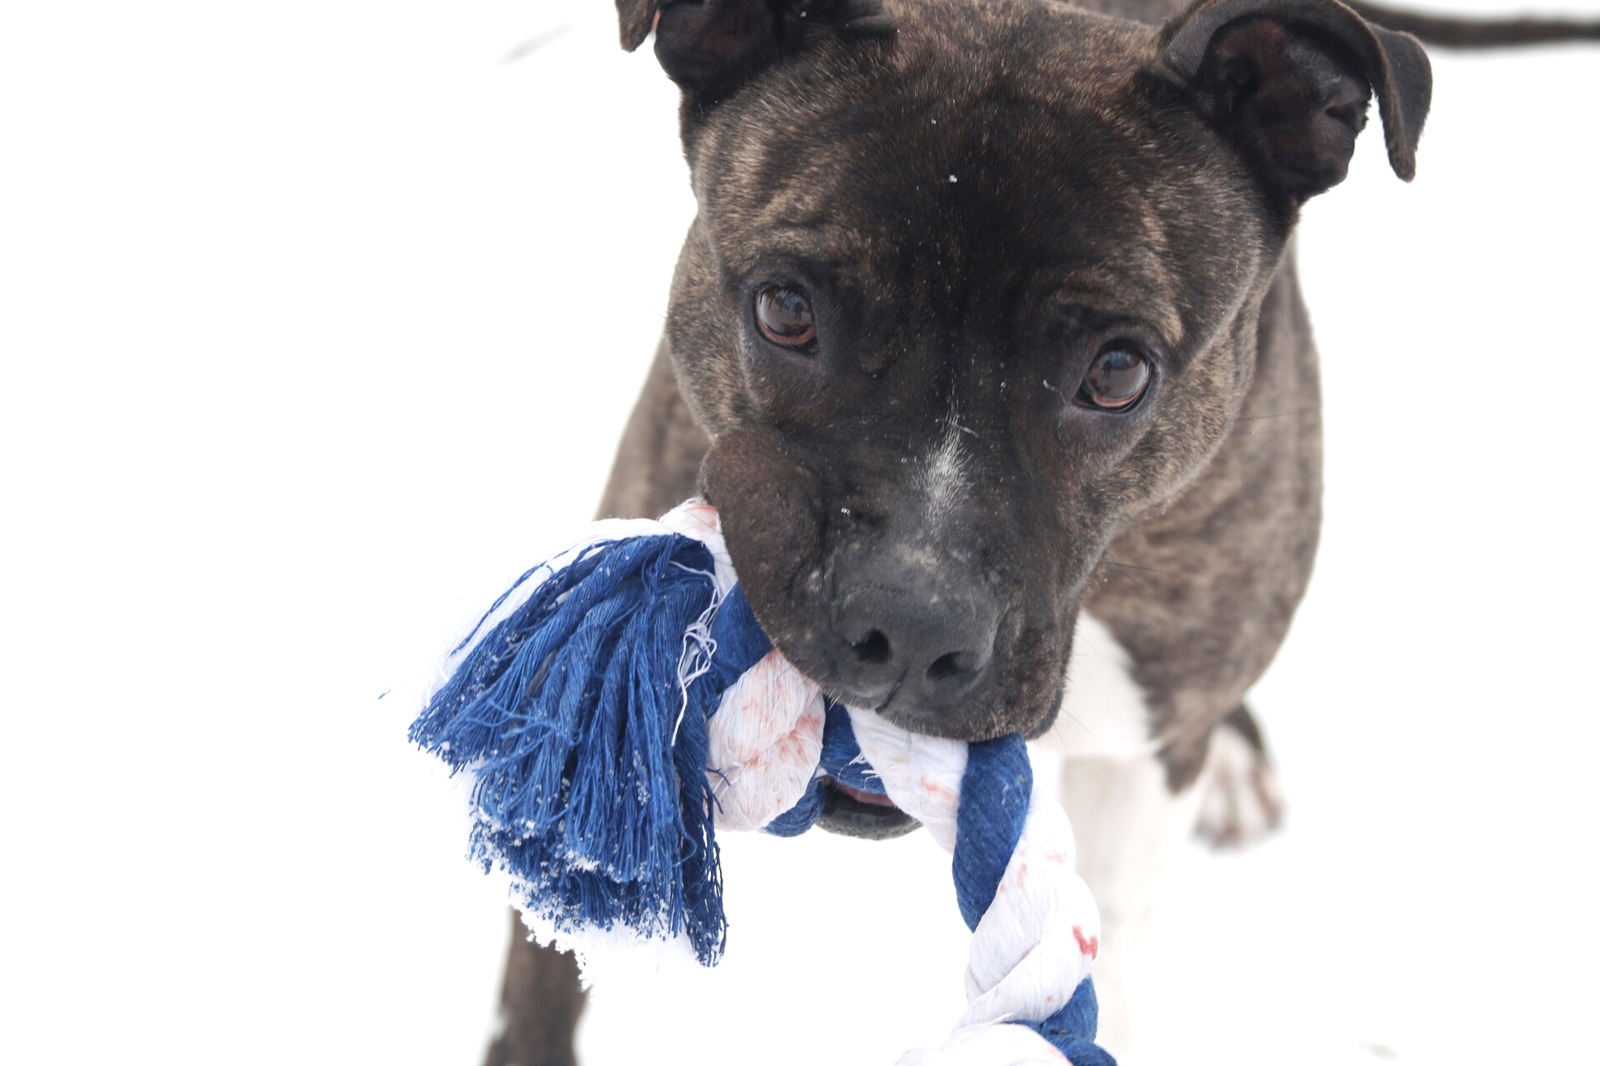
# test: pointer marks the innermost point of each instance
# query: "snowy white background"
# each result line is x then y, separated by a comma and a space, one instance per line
318, 322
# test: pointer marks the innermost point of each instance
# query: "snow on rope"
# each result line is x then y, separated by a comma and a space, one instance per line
620, 703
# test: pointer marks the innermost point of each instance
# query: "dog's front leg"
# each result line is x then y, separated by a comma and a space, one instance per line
540, 1003
1128, 820
1128, 825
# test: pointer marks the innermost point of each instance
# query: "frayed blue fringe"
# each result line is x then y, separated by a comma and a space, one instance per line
588, 757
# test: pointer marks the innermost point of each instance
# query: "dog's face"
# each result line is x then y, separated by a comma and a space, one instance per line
965, 298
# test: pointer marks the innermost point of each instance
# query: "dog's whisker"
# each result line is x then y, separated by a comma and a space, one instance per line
1056, 728
1279, 414
1148, 569
1136, 583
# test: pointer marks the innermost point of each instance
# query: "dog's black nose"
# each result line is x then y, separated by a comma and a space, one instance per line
913, 633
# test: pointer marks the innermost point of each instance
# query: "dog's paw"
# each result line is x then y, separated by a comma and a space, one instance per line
1243, 800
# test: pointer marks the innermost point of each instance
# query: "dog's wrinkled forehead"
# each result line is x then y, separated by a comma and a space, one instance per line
968, 167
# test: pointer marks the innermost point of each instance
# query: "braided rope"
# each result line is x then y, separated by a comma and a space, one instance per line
767, 737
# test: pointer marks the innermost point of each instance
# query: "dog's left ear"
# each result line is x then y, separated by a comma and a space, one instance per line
1288, 82
710, 46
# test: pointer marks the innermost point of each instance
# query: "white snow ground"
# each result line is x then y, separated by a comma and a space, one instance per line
318, 322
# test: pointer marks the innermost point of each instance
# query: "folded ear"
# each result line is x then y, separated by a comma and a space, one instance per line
1289, 80
710, 46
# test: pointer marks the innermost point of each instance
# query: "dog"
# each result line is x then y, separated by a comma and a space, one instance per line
977, 294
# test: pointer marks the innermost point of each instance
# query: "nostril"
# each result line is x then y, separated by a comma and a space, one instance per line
874, 648
953, 665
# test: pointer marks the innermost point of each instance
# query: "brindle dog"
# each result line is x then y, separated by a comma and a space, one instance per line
977, 292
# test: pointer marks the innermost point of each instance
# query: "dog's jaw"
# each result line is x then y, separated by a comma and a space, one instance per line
853, 816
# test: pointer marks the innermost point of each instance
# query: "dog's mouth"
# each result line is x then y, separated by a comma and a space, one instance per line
853, 812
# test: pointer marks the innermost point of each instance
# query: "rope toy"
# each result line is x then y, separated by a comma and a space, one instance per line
620, 703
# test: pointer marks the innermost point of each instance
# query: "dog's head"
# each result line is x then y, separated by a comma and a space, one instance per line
974, 284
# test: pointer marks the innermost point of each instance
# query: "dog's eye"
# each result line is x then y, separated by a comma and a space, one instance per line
1116, 379
785, 317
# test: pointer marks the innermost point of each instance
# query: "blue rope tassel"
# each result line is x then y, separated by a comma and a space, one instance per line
590, 786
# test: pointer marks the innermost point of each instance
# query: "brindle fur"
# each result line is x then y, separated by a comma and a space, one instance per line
1189, 528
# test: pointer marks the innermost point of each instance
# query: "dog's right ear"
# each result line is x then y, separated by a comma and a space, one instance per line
1288, 81
710, 46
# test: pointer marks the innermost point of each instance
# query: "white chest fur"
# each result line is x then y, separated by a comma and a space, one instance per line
1104, 714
